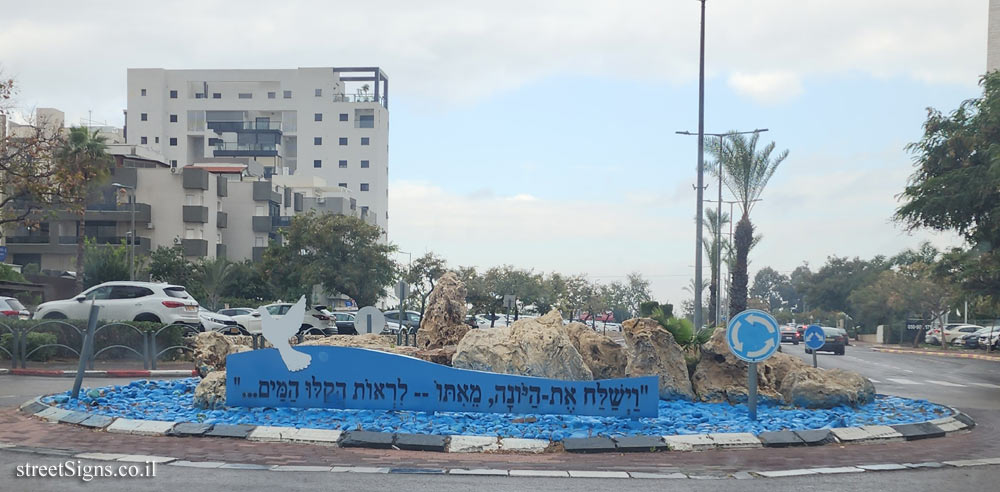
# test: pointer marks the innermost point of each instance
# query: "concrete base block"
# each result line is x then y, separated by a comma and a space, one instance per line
693, 442
473, 444
523, 445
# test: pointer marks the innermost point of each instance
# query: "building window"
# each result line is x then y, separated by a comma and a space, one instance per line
367, 121
200, 95
364, 210
342, 164
272, 95
156, 139
260, 241
173, 118
143, 116
319, 92
317, 140
318, 117
365, 140
342, 185
343, 140
364, 186
173, 163
343, 116
259, 211
365, 164
216, 95
143, 140
287, 94
173, 141
142, 92
245, 95
173, 94
317, 163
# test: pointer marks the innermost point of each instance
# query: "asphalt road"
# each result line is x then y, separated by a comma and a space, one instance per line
967, 384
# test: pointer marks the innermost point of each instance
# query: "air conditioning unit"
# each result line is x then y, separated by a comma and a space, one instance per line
174, 170
321, 200
149, 225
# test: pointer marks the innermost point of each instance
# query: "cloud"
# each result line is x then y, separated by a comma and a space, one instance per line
767, 87
444, 53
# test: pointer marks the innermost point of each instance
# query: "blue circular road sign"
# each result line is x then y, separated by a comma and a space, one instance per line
753, 335
814, 337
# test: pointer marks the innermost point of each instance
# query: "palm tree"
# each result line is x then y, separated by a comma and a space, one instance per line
712, 245
215, 274
746, 170
82, 162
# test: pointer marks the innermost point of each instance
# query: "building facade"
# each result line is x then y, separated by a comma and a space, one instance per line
329, 123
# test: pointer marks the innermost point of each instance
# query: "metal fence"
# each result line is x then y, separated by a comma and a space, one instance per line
148, 350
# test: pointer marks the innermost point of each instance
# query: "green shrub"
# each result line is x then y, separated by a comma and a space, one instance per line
34, 340
109, 334
682, 330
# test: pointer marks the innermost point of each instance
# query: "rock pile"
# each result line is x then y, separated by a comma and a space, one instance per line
443, 322
530, 347
655, 352
602, 355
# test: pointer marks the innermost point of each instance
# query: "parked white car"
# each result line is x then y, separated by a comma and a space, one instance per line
247, 318
12, 308
127, 301
317, 320
217, 322
951, 332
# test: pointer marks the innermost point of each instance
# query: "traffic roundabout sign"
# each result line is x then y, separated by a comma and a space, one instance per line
753, 335
814, 337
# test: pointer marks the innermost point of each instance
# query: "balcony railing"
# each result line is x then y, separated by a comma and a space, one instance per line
246, 147
29, 239
358, 98
235, 126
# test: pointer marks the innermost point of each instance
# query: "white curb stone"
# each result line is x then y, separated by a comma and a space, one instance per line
478, 471
523, 445
153, 428
473, 444
197, 464
883, 467
143, 458
692, 442
787, 473
4, 371
317, 436
170, 372
539, 473
301, 468
359, 469
883, 432
123, 426
29, 402
100, 456
52, 414
597, 474
6, 445
736, 440
952, 426
838, 469
656, 475
979, 462
266, 433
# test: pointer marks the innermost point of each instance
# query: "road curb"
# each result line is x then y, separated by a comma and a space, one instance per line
937, 427
110, 373
937, 353
503, 472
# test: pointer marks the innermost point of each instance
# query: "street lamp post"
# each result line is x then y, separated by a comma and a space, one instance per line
131, 259
718, 211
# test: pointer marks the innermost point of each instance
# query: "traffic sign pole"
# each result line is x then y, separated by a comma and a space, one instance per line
814, 359
752, 390
753, 336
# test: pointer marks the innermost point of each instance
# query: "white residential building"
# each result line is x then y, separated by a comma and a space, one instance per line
330, 123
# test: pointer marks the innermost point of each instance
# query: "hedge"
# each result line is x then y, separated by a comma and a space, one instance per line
107, 336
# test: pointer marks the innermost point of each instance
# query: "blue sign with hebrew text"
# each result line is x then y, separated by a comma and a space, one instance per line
345, 377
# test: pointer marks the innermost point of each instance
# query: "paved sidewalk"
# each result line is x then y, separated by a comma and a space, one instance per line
983, 441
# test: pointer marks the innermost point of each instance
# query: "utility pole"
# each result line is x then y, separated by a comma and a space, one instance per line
701, 173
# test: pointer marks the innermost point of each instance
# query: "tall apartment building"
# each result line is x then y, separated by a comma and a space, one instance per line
330, 123
993, 37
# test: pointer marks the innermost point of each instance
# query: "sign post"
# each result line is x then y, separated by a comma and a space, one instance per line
753, 336
402, 290
814, 338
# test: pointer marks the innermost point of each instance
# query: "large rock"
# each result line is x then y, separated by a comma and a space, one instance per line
721, 376
779, 365
443, 322
211, 391
654, 352
211, 349
529, 347
441, 355
604, 357
369, 341
817, 388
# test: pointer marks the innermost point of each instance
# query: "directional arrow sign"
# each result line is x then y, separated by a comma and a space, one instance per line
814, 337
753, 335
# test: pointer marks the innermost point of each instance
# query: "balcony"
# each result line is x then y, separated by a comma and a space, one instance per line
220, 250
230, 149
261, 223
66, 245
195, 247
358, 98
280, 221
221, 219
262, 192
195, 213
244, 126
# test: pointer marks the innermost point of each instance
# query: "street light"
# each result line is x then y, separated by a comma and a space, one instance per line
131, 260
718, 210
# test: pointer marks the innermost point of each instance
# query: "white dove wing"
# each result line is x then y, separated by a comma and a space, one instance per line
296, 316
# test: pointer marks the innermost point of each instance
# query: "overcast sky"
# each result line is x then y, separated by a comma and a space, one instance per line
541, 133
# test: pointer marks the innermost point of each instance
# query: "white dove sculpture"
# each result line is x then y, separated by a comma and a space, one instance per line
279, 330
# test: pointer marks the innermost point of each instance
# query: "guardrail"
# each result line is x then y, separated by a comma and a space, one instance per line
147, 351
404, 334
